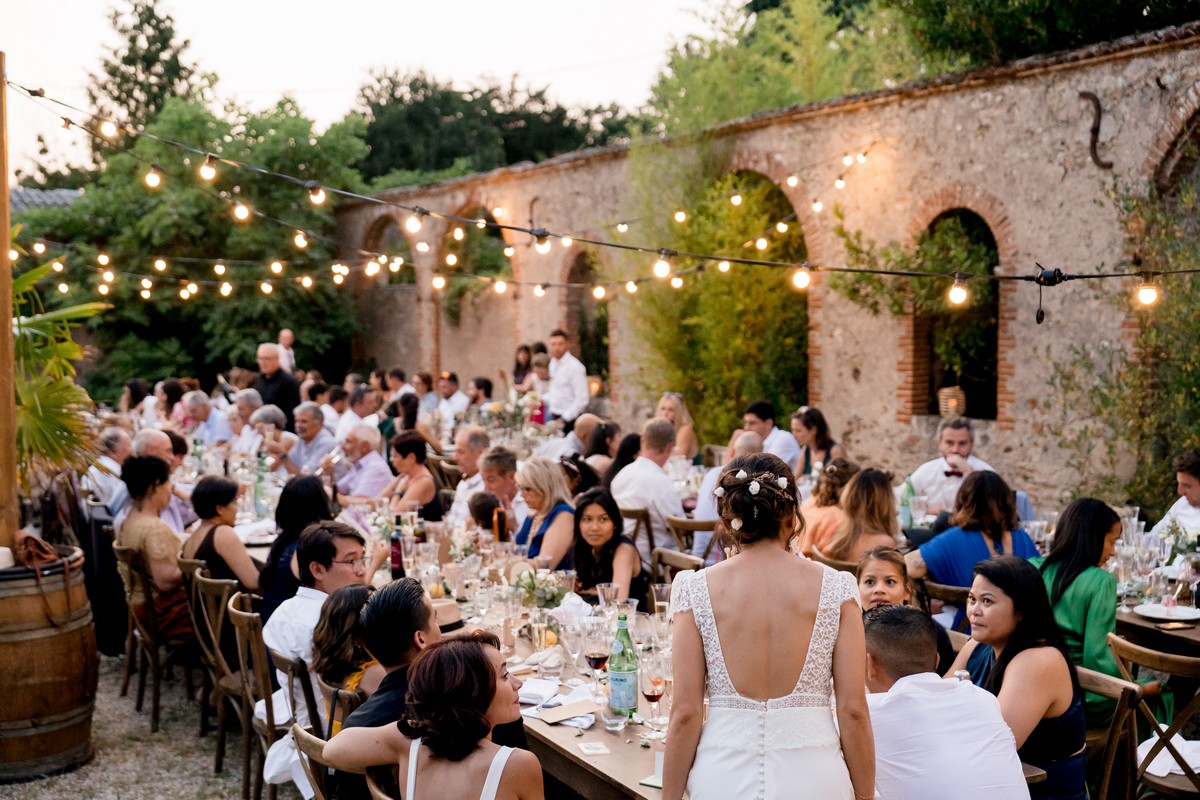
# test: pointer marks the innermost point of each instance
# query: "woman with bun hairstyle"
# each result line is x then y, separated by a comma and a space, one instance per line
773, 638
458, 690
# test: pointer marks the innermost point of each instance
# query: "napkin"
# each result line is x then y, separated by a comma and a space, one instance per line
1164, 763
583, 721
537, 691
550, 657
571, 608
253, 530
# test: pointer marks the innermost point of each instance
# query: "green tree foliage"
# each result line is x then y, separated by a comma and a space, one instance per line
186, 217
421, 128
987, 32
480, 252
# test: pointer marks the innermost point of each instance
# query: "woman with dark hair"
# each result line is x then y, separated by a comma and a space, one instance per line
821, 512
339, 659
579, 476
627, 453
302, 502
459, 690
870, 508
603, 553
137, 401
1018, 655
414, 483
602, 446
811, 432
407, 419
522, 363
214, 541
170, 404
883, 580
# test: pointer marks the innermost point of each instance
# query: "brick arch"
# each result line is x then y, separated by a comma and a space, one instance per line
978, 201
1183, 122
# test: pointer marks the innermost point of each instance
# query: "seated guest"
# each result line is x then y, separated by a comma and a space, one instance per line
1084, 594
104, 477
672, 407
883, 581
759, 417
377, 380
361, 408
149, 483
469, 444
422, 383
538, 382
811, 432
744, 444
627, 453
459, 691
246, 402
482, 510
269, 422
870, 508
352, 381
137, 401
574, 441
312, 442
603, 554
409, 420
397, 384
645, 484
521, 364
368, 475
413, 487
1185, 513
178, 513
333, 407
548, 528
302, 502
934, 739
822, 512
214, 541
939, 480
578, 475
602, 446
170, 404
212, 428
1017, 654
338, 657
479, 393
498, 466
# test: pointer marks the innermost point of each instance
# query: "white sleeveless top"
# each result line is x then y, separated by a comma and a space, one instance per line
490, 784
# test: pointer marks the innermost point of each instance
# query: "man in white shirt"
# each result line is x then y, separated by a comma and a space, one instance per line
574, 442
178, 514
312, 445
1186, 511
330, 555
935, 739
213, 429
568, 394
397, 386
645, 484
940, 479
287, 356
246, 402
469, 444
363, 403
744, 444
452, 403
103, 479
498, 466
335, 405
759, 417
369, 474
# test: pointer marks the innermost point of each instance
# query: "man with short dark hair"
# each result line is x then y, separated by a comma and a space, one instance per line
364, 402
645, 484
397, 384
452, 402
334, 406
940, 479
568, 394
276, 386
759, 417
935, 739
1185, 513
479, 391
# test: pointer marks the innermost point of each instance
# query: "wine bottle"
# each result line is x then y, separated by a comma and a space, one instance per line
397, 554
623, 672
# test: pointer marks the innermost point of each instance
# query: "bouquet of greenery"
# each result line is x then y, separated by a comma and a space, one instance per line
540, 589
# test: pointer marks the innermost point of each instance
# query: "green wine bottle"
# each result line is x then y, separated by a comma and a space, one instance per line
623, 672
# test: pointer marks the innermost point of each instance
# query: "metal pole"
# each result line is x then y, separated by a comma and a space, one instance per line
9, 504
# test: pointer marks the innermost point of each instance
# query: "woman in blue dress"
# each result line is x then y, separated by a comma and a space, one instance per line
549, 528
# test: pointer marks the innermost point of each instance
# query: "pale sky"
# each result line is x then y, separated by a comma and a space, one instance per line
320, 53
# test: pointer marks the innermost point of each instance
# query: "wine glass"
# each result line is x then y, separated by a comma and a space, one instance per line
571, 638
607, 592
596, 645
641, 629
662, 596
652, 677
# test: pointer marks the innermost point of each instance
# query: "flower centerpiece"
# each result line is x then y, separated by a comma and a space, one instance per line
540, 589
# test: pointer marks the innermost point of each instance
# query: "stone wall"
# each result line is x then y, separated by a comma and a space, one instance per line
1010, 144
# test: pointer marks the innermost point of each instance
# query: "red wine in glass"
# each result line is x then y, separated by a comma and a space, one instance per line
654, 695
596, 660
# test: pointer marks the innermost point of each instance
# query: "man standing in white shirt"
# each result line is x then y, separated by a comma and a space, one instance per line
568, 394
452, 403
1186, 511
759, 417
363, 403
935, 739
287, 356
469, 444
498, 466
103, 478
213, 429
746, 443
940, 479
645, 484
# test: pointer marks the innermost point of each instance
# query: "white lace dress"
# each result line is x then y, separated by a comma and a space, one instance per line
784, 747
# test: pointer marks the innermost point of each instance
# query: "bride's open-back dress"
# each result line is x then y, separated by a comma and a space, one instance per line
785, 747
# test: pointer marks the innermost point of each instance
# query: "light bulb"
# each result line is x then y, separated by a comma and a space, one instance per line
458, 234
848, 160
57, 266
497, 212
219, 269
676, 282
542, 246
761, 243
801, 279
184, 294
102, 288
599, 293
160, 265
371, 269
153, 178
817, 206
723, 266
782, 227
501, 287
451, 259
539, 290
396, 264
736, 199
108, 276
422, 247
622, 227
63, 288
338, 279
147, 283
958, 293
510, 251
39, 247
276, 267
226, 289
680, 216
266, 287
300, 240
439, 282
1147, 294
381, 258
792, 181
631, 287
193, 288
241, 212
108, 129
481, 223
103, 259
567, 241
413, 224
662, 268
840, 183
208, 169
861, 158
306, 282
13, 255
145, 293
316, 195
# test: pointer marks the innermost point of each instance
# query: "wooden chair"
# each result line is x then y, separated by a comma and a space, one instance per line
298, 674
712, 455
255, 674
684, 530
674, 561
377, 779
1132, 657
190, 568
312, 758
144, 641
339, 702
640, 518
447, 498
213, 607
958, 640
1113, 748
841, 566
928, 591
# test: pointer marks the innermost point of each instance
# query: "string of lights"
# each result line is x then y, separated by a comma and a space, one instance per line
664, 266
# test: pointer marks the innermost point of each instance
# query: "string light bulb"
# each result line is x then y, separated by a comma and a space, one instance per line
103, 259
241, 212
459, 234
542, 246
208, 170
184, 294
145, 293
266, 287
102, 288
501, 287
451, 260
276, 267
226, 289
108, 129
958, 293
306, 282
108, 276
371, 269
57, 266
39, 247
219, 269
861, 158
396, 264
736, 199
439, 282
782, 227
599, 293
422, 247
63, 288
316, 195
510, 251
481, 223
631, 287
792, 181
300, 240
153, 177
680, 216
622, 227
13, 255
847, 160
801, 279
193, 288
840, 183
147, 283
723, 266
677, 282
818, 206
567, 241
413, 224
539, 291
338, 279
761, 243
160, 265
1147, 293
498, 212
662, 267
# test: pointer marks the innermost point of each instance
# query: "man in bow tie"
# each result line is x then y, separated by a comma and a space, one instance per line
939, 479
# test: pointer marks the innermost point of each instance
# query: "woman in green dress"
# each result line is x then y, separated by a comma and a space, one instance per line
1084, 594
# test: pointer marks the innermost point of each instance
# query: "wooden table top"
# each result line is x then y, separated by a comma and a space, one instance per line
1136, 628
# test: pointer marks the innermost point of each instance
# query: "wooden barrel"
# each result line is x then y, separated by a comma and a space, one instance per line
48, 670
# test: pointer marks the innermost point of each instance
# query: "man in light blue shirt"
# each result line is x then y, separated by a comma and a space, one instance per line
314, 442
213, 429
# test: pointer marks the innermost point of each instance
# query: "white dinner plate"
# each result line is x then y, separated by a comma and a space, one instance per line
1159, 611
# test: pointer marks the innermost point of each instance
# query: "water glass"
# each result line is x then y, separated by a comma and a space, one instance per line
607, 592
641, 629
538, 628
571, 638
628, 608
566, 579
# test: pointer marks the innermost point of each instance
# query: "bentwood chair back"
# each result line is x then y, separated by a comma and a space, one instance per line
1130, 659
640, 518
214, 628
312, 758
255, 674
684, 530
189, 568
298, 675
665, 564
1112, 748
841, 566
377, 779
340, 702
928, 591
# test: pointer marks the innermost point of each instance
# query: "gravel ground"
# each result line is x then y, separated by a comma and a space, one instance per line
131, 763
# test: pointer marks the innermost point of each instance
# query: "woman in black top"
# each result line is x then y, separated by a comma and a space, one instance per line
602, 553
302, 502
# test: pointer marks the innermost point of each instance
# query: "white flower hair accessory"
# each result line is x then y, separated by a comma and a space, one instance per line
781, 482
736, 523
741, 475
754, 487
719, 491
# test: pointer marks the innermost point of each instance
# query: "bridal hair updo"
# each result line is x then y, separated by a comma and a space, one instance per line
756, 499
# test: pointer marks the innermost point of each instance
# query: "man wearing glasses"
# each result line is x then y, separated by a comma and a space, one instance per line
330, 555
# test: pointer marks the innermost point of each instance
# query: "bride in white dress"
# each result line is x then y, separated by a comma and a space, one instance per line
770, 639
